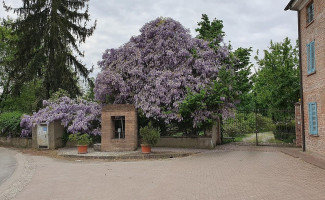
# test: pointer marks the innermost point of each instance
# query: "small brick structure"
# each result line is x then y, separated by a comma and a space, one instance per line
119, 128
298, 121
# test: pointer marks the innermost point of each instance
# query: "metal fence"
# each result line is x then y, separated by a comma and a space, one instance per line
260, 127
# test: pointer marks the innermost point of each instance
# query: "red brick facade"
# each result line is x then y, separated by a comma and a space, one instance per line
109, 142
314, 83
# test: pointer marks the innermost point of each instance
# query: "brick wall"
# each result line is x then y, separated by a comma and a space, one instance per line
130, 142
314, 84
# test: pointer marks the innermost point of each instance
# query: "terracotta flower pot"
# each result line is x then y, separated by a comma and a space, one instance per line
82, 149
145, 148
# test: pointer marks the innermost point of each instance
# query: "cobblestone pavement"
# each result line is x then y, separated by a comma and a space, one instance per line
224, 173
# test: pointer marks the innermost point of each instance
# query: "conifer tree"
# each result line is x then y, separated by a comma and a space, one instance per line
50, 33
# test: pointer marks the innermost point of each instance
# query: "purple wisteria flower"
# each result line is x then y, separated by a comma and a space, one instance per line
154, 70
77, 115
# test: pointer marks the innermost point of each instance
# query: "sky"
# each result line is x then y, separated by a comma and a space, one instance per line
247, 23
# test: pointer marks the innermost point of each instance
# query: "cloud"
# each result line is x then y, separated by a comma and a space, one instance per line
249, 23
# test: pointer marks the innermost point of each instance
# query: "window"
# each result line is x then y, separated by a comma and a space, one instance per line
313, 124
310, 13
118, 127
311, 66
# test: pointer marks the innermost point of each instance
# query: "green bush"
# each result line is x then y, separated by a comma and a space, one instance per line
149, 134
285, 131
80, 139
231, 130
264, 124
10, 124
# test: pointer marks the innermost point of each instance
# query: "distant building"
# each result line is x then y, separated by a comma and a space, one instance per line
311, 26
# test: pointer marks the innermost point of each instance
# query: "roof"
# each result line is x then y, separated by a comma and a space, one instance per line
289, 6
296, 5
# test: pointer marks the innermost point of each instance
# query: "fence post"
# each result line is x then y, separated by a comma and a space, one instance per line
256, 131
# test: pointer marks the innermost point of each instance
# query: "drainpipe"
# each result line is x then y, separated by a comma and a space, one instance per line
301, 88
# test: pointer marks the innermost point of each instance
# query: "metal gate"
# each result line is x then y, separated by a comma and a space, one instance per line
260, 127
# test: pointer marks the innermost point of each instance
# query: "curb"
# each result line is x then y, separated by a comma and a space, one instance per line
133, 157
308, 158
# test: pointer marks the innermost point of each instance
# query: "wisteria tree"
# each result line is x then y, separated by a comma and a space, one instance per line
76, 115
156, 69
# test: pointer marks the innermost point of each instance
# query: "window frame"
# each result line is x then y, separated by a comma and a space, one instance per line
310, 12
313, 117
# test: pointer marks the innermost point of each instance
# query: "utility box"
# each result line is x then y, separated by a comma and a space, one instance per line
42, 136
47, 136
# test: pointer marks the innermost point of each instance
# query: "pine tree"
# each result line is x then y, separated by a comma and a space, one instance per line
50, 32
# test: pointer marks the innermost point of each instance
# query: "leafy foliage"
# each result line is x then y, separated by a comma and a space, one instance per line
149, 134
199, 109
245, 123
80, 139
277, 80
210, 31
155, 69
77, 115
48, 34
237, 64
285, 131
8, 72
30, 99
9, 123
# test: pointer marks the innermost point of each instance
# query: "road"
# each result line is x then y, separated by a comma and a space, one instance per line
8, 164
217, 174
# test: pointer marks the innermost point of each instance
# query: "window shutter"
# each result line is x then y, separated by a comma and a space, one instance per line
308, 59
310, 118
312, 56
313, 121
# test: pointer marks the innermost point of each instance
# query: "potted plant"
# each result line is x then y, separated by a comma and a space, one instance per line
150, 137
82, 140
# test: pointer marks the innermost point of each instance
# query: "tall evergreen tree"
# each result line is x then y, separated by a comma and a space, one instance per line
238, 73
50, 32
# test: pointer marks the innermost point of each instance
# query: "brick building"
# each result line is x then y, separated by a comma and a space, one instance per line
311, 27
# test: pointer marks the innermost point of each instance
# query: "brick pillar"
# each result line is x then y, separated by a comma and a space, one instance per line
298, 124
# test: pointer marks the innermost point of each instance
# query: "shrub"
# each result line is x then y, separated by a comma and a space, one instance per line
9, 123
264, 124
285, 131
80, 139
231, 130
149, 134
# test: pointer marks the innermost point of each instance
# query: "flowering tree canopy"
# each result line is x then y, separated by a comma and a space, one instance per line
77, 115
156, 69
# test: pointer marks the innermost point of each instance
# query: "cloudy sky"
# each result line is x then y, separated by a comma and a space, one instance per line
247, 23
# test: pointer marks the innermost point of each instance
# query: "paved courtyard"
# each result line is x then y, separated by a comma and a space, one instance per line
218, 174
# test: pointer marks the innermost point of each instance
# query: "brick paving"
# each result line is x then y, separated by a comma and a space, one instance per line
225, 173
